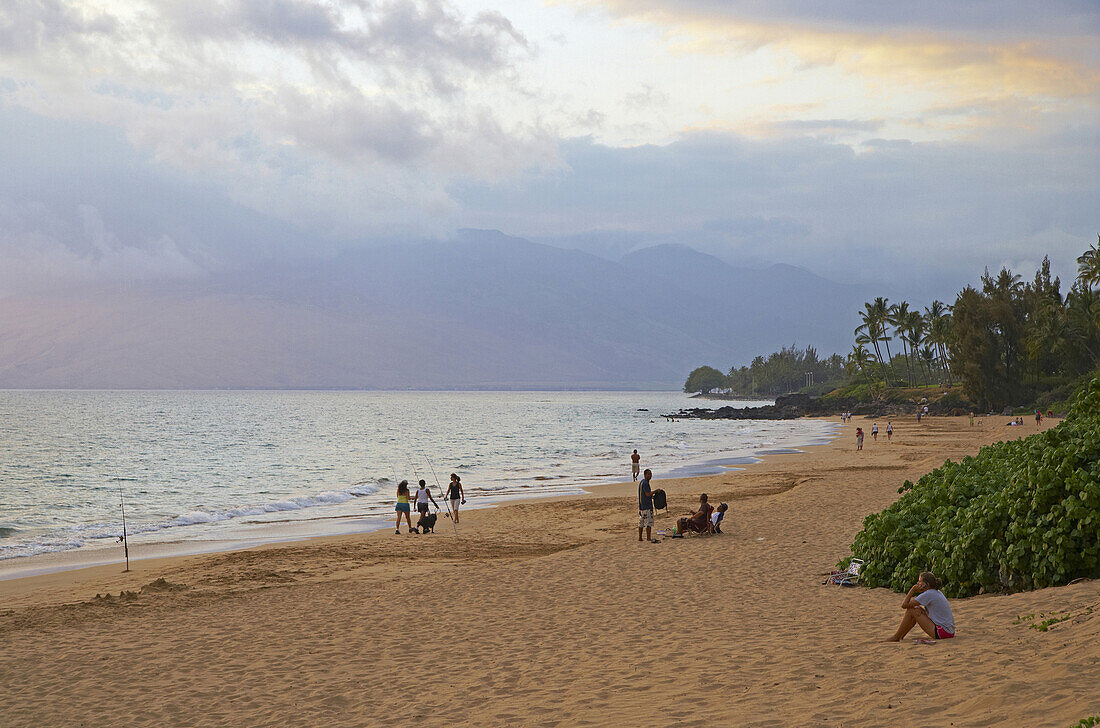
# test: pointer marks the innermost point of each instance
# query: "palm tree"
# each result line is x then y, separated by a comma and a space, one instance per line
881, 311
1088, 265
860, 360
874, 327
938, 320
914, 331
897, 316
928, 355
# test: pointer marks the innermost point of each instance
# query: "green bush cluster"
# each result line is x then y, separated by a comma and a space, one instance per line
1018, 515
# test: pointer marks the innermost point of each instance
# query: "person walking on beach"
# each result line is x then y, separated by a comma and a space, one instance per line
403, 506
859, 438
645, 507
423, 495
874, 432
925, 605
889, 431
455, 495
635, 460
1038, 417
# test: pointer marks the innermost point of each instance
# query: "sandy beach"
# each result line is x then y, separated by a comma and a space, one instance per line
550, 613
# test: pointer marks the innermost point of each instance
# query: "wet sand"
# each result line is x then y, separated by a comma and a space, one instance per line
550, 613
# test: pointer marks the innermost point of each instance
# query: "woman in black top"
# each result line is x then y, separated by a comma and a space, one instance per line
455, 495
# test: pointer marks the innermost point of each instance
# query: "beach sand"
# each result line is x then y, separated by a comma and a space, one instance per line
550, 613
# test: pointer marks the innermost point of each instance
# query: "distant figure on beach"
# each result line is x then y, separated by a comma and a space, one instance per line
455, 495
925, 605
874, 432
918, 417
971, 419
645, 506
1038, 417
889, 431
859, 438
699, 521
423, 495
403, 506
635, 463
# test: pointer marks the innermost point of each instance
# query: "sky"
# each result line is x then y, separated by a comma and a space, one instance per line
902, 145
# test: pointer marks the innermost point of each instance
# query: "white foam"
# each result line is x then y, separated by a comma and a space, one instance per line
73, 537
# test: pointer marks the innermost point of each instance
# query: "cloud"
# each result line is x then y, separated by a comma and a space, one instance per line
1058, 17
967, 50
285, 93
921, 212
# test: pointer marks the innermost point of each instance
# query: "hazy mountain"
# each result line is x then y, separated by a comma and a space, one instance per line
483, 310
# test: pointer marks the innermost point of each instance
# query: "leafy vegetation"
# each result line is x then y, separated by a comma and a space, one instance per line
786, 370
1046, 621
705, 379
1019, 515
1007, 342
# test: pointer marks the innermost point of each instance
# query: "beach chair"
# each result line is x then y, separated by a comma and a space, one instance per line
849, 577
716, 526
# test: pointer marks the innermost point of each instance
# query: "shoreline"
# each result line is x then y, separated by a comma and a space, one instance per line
549, 612
276, 532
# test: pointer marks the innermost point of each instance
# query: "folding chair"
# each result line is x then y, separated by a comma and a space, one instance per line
849, 577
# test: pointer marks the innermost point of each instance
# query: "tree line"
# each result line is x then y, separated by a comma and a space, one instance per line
1004, 343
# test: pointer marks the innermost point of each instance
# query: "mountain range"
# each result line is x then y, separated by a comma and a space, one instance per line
483, 310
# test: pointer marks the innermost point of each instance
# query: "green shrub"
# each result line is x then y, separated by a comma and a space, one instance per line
1018, 515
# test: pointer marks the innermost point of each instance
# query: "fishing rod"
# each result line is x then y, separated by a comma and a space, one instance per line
446, 502
124, 539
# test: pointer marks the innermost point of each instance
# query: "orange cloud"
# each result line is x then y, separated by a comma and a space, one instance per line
947, 63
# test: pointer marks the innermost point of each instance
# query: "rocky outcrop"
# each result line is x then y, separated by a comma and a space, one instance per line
793, 406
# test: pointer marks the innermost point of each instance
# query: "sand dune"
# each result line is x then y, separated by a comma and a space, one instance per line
549, 613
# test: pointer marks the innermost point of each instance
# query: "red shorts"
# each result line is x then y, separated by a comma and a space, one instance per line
943, 634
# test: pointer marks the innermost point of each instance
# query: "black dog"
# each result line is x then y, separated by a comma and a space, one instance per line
427, 522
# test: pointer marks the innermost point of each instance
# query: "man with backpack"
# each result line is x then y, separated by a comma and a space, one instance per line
645, 507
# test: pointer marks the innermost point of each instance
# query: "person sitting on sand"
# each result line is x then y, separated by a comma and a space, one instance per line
455, 495
403, 506
926, 605
699, 521
716, 517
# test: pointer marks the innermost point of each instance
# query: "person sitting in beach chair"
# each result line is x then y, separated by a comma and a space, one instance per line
717, 517
699, 521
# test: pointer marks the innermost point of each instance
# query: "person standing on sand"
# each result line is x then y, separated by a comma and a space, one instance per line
926, 605
1038, 417
645, 507
971, 419
635, 461
874, 432
423, 495
455, 495
403, 506
859, 438
889, 431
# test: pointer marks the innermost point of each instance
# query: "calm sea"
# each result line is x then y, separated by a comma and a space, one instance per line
197, 466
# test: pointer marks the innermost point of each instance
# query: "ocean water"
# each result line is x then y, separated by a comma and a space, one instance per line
204, 466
